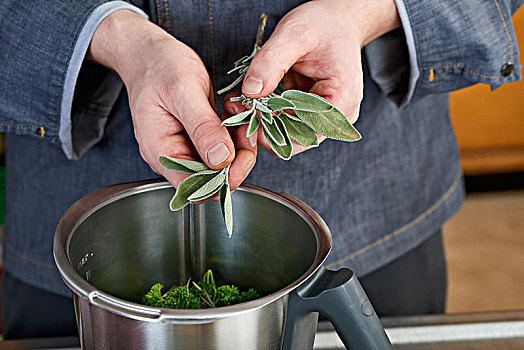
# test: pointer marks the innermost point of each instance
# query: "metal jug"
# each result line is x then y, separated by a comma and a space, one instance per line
114, 243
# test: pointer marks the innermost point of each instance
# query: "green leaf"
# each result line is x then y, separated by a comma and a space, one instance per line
254, 123
278, 103
182, 165
332, 124
305, 101
291, 116
261, 107
208, 189
266, 117
226, 207
187, 187
284, 151
274, 132
238, 119
299, 131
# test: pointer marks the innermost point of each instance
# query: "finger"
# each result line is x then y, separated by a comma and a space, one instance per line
233, 107
297, 81
210, 138
345, 94
245, 157
287, 45
175, 146
246, 152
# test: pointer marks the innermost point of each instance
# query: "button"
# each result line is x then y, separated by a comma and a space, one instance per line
507, 69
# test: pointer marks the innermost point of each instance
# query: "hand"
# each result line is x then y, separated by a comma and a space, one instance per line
317, 48
170, 97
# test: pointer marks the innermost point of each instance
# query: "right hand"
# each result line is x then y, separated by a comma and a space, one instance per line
170, 97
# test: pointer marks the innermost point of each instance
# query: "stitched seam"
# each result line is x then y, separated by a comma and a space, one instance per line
40, 129
461, 66
439, 75
404, 228
167, 17
511, 53
33, 261
158, 14
212, 36
510, 42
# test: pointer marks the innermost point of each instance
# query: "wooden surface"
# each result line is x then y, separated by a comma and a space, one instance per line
484, 245
490, 125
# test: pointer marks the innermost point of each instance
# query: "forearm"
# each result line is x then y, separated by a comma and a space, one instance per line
374, 18
121, 40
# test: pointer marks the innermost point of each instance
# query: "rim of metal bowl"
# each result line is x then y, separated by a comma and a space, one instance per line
102, 197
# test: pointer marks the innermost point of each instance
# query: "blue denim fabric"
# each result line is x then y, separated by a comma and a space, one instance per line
78, 137
380, 196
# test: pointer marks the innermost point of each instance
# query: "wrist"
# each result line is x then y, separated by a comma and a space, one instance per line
370, 19
120, 42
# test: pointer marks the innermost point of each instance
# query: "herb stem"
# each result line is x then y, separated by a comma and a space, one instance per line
261, 27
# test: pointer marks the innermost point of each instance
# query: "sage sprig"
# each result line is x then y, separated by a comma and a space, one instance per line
202, 183
311, 114
292, 115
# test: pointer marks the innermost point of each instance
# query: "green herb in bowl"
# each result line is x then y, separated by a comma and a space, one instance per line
197, 295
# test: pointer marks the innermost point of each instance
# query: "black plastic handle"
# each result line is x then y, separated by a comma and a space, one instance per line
339, 297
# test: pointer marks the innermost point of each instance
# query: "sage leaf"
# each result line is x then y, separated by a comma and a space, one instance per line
261, 107
278, 103
305, 101
181, 165
238, 119
274, 132
226, 207
299, 131
254, 123
284, 151
267, 117
187, 187
209, 188
332, 124
291, 116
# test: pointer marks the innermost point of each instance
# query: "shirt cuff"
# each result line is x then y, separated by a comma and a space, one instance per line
414, 72
392, 60
73, 70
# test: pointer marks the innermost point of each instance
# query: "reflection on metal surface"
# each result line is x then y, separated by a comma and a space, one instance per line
498, 330
479, 331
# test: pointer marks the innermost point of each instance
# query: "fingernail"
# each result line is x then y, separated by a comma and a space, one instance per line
217, 154
252, 85
249, 166
253, 140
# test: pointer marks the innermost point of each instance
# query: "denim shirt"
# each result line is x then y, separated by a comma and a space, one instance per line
380, 196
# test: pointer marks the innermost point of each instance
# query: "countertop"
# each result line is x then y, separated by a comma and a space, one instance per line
481, 331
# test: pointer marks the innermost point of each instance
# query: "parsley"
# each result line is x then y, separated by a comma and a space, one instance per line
201, 295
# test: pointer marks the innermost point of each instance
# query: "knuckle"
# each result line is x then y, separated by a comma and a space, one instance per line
267, 58
297, 29
203, 130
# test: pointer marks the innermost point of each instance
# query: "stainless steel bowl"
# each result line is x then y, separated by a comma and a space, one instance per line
113, 244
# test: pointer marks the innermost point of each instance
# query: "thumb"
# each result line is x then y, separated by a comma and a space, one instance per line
271, 62
210, 138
